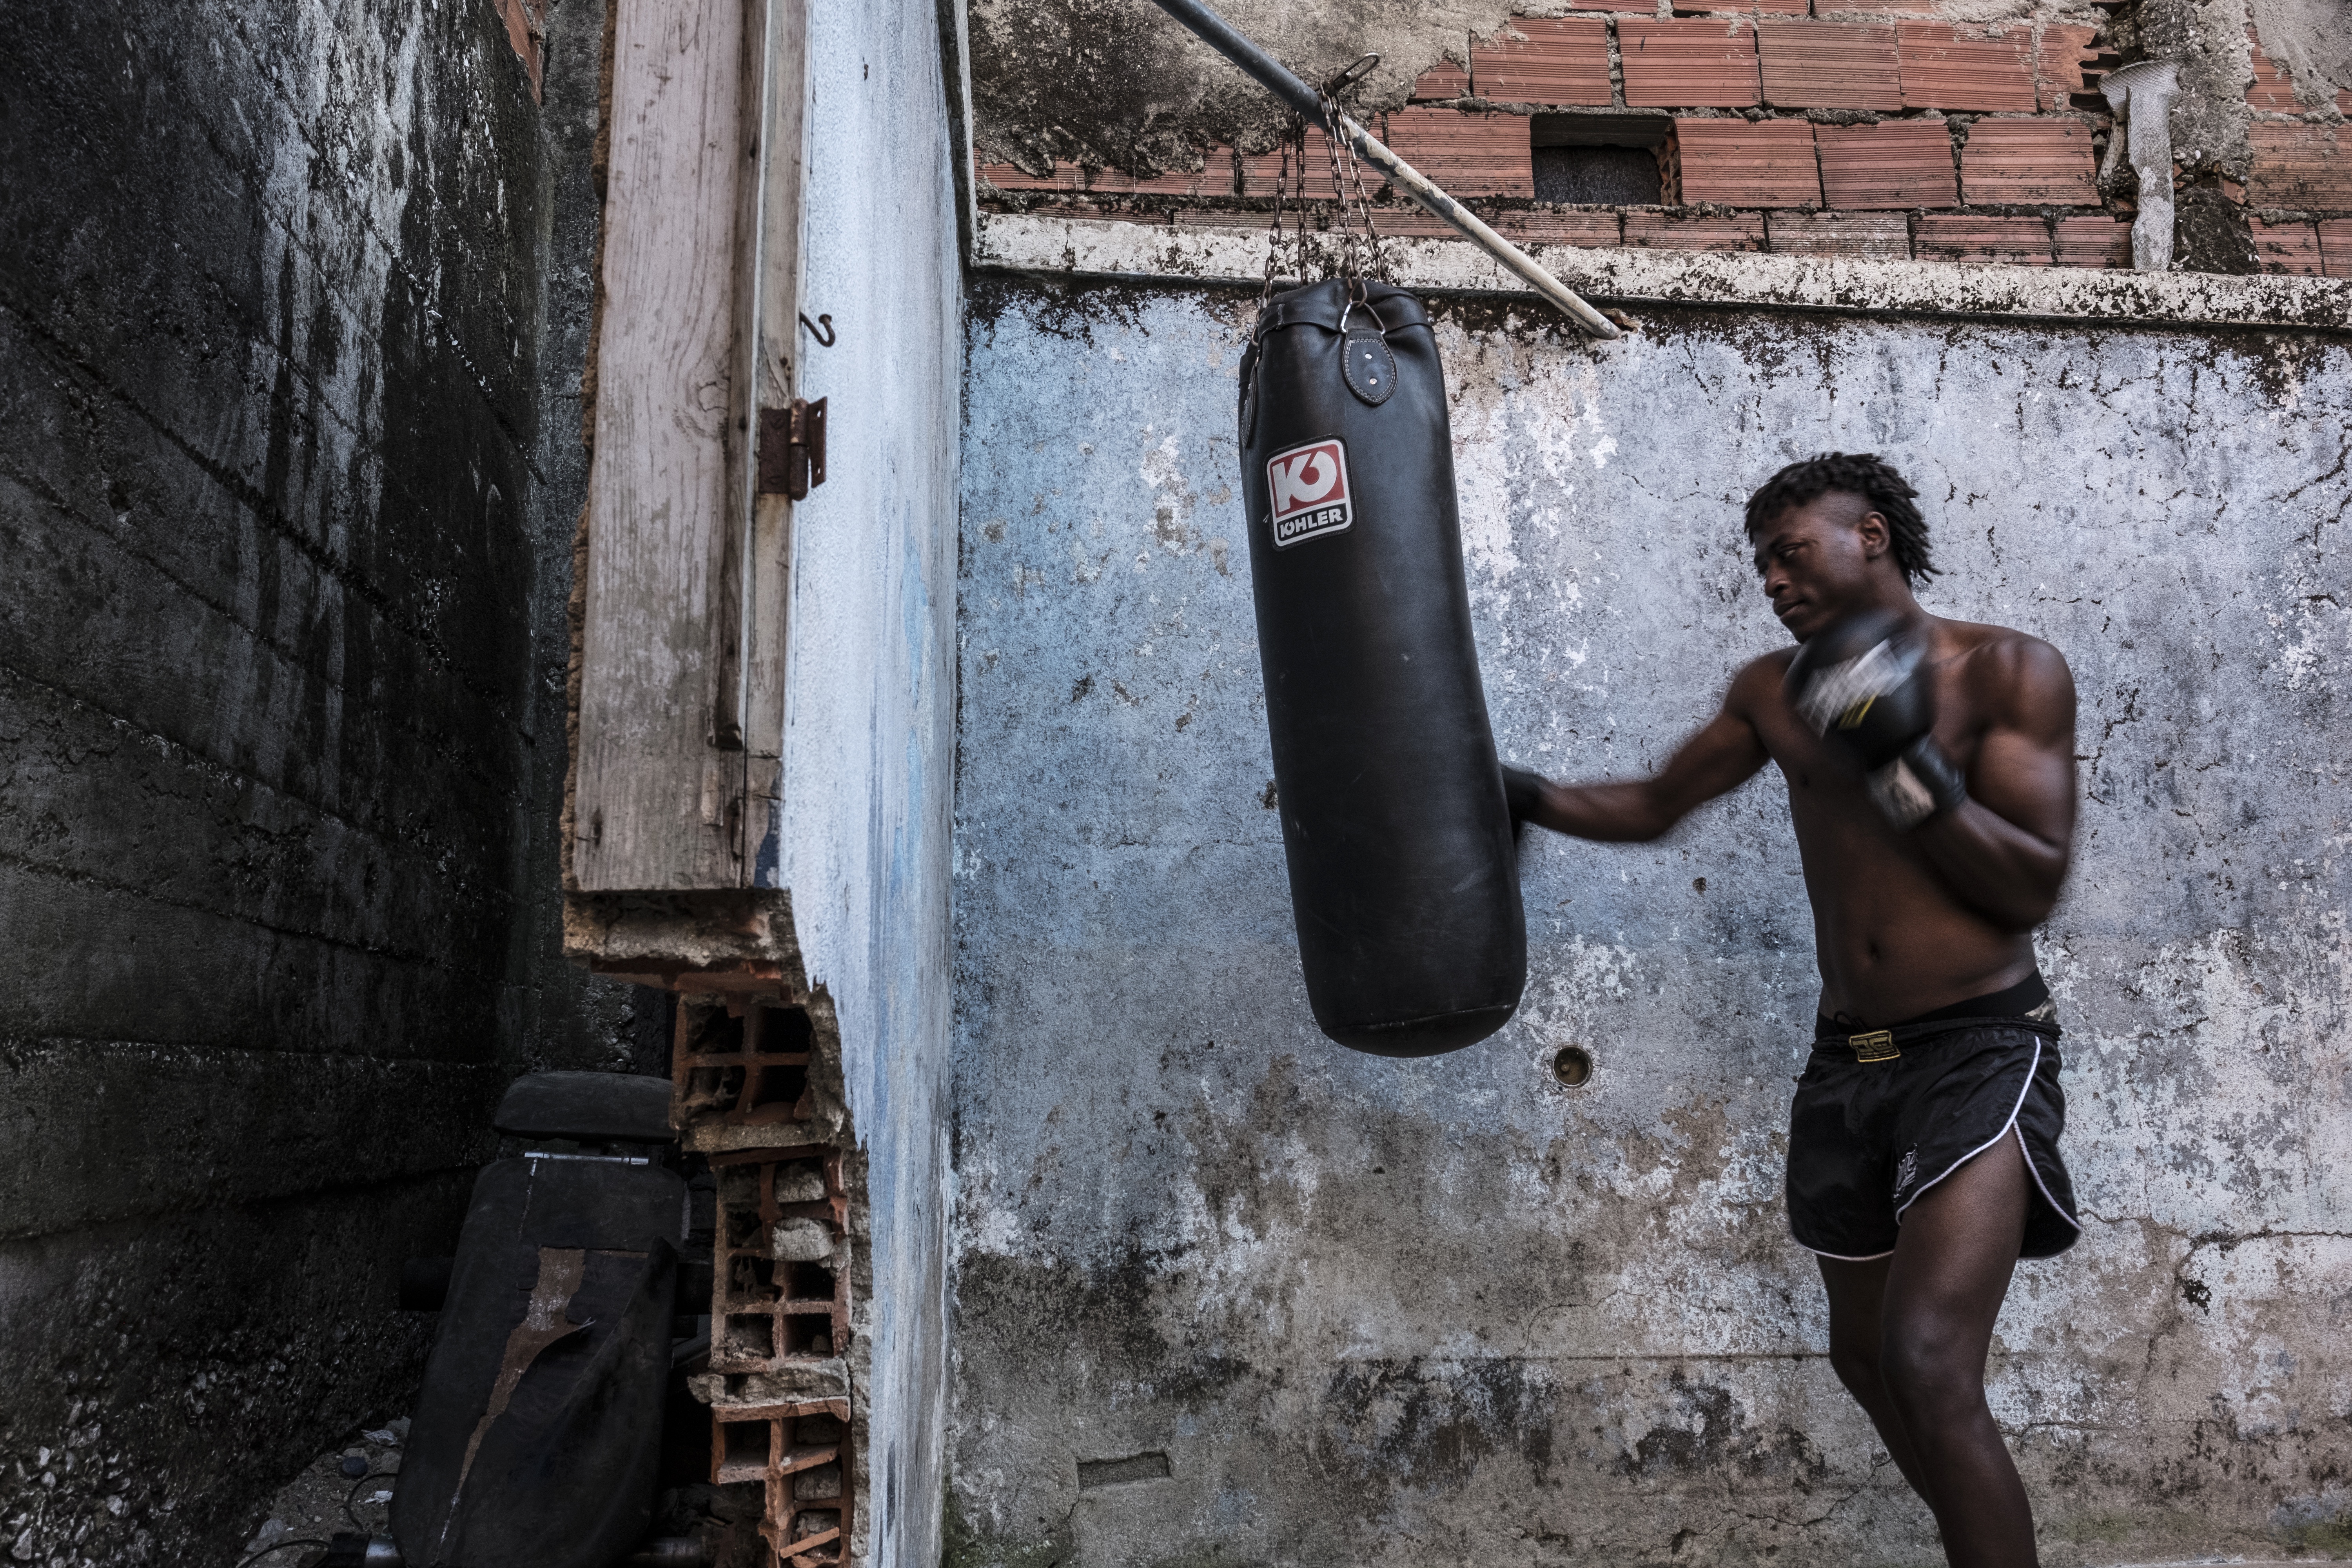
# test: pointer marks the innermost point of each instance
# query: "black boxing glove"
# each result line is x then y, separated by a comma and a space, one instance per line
1523, 793
1861, 685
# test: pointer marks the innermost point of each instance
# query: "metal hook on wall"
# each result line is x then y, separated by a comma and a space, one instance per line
823, 335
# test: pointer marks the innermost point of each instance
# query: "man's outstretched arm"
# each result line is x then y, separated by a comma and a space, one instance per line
2003, 851
1723, 754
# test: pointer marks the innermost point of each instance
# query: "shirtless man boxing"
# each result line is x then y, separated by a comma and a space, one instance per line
1930, 767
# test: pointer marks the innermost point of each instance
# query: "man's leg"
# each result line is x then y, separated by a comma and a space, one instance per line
1857, 1294
1943, 1289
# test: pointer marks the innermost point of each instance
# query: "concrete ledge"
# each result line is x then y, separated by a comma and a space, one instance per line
1135, 252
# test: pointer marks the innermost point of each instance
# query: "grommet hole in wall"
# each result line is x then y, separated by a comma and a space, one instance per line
1572, 1065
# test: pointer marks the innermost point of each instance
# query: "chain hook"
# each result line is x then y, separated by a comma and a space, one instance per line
1341, 80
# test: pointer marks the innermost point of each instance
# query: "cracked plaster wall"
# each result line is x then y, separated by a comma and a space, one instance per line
1385, 1314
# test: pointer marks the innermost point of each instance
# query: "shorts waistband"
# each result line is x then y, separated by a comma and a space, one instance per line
2017, 1001
2026, 1004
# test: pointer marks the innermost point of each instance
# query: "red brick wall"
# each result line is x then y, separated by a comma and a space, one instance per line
2299, 182
1872, 129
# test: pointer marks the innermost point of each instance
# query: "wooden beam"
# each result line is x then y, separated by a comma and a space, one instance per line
775, 366
680, 700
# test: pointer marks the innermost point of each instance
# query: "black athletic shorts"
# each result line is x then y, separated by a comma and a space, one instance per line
1881, 1116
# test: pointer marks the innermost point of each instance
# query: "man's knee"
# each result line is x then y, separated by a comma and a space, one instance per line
1925, 1368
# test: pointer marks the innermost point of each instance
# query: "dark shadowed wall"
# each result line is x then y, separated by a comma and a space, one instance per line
291, 301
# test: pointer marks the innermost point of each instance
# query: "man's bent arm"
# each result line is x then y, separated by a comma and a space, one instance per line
2004, 850
1721, 757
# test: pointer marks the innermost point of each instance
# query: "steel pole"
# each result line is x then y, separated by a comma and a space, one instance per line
1270, 73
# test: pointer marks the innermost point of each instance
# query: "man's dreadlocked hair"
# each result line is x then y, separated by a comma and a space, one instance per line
1854, 473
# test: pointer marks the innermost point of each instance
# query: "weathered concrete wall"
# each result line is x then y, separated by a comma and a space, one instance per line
863, 841
1125, 86
274, 491
1345, 1311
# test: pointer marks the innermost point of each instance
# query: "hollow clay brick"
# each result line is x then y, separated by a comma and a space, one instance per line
1553, 59
1945, 68
2272, 87
2059, 58
2018, 241
2094, 242
1708, 64
1657, 231
2298, 165
1010, 177
1830, 65
1895, 163
1214, 177
1742, 8
1444, 79
1180, 182
1876, 237
1466, 154
2289, 248
2029, 160
1768, 162
2335, 247
1261, 171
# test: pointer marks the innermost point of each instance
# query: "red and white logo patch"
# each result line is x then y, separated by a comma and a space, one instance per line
1310, 487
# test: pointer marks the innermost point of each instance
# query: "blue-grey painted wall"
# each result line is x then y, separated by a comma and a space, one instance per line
1385, 1312
869, 705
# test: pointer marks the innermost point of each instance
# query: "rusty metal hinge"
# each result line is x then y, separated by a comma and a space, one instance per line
792, 449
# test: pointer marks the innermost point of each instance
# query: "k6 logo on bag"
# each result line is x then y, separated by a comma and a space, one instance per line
1310, 487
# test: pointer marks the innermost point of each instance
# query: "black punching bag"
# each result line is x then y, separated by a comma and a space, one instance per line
1402, 870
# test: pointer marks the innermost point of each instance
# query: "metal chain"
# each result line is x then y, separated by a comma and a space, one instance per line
1346, 171
1351, 203
1350, 261
1285, 176
1274, 240
1305, 256
1372, 242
